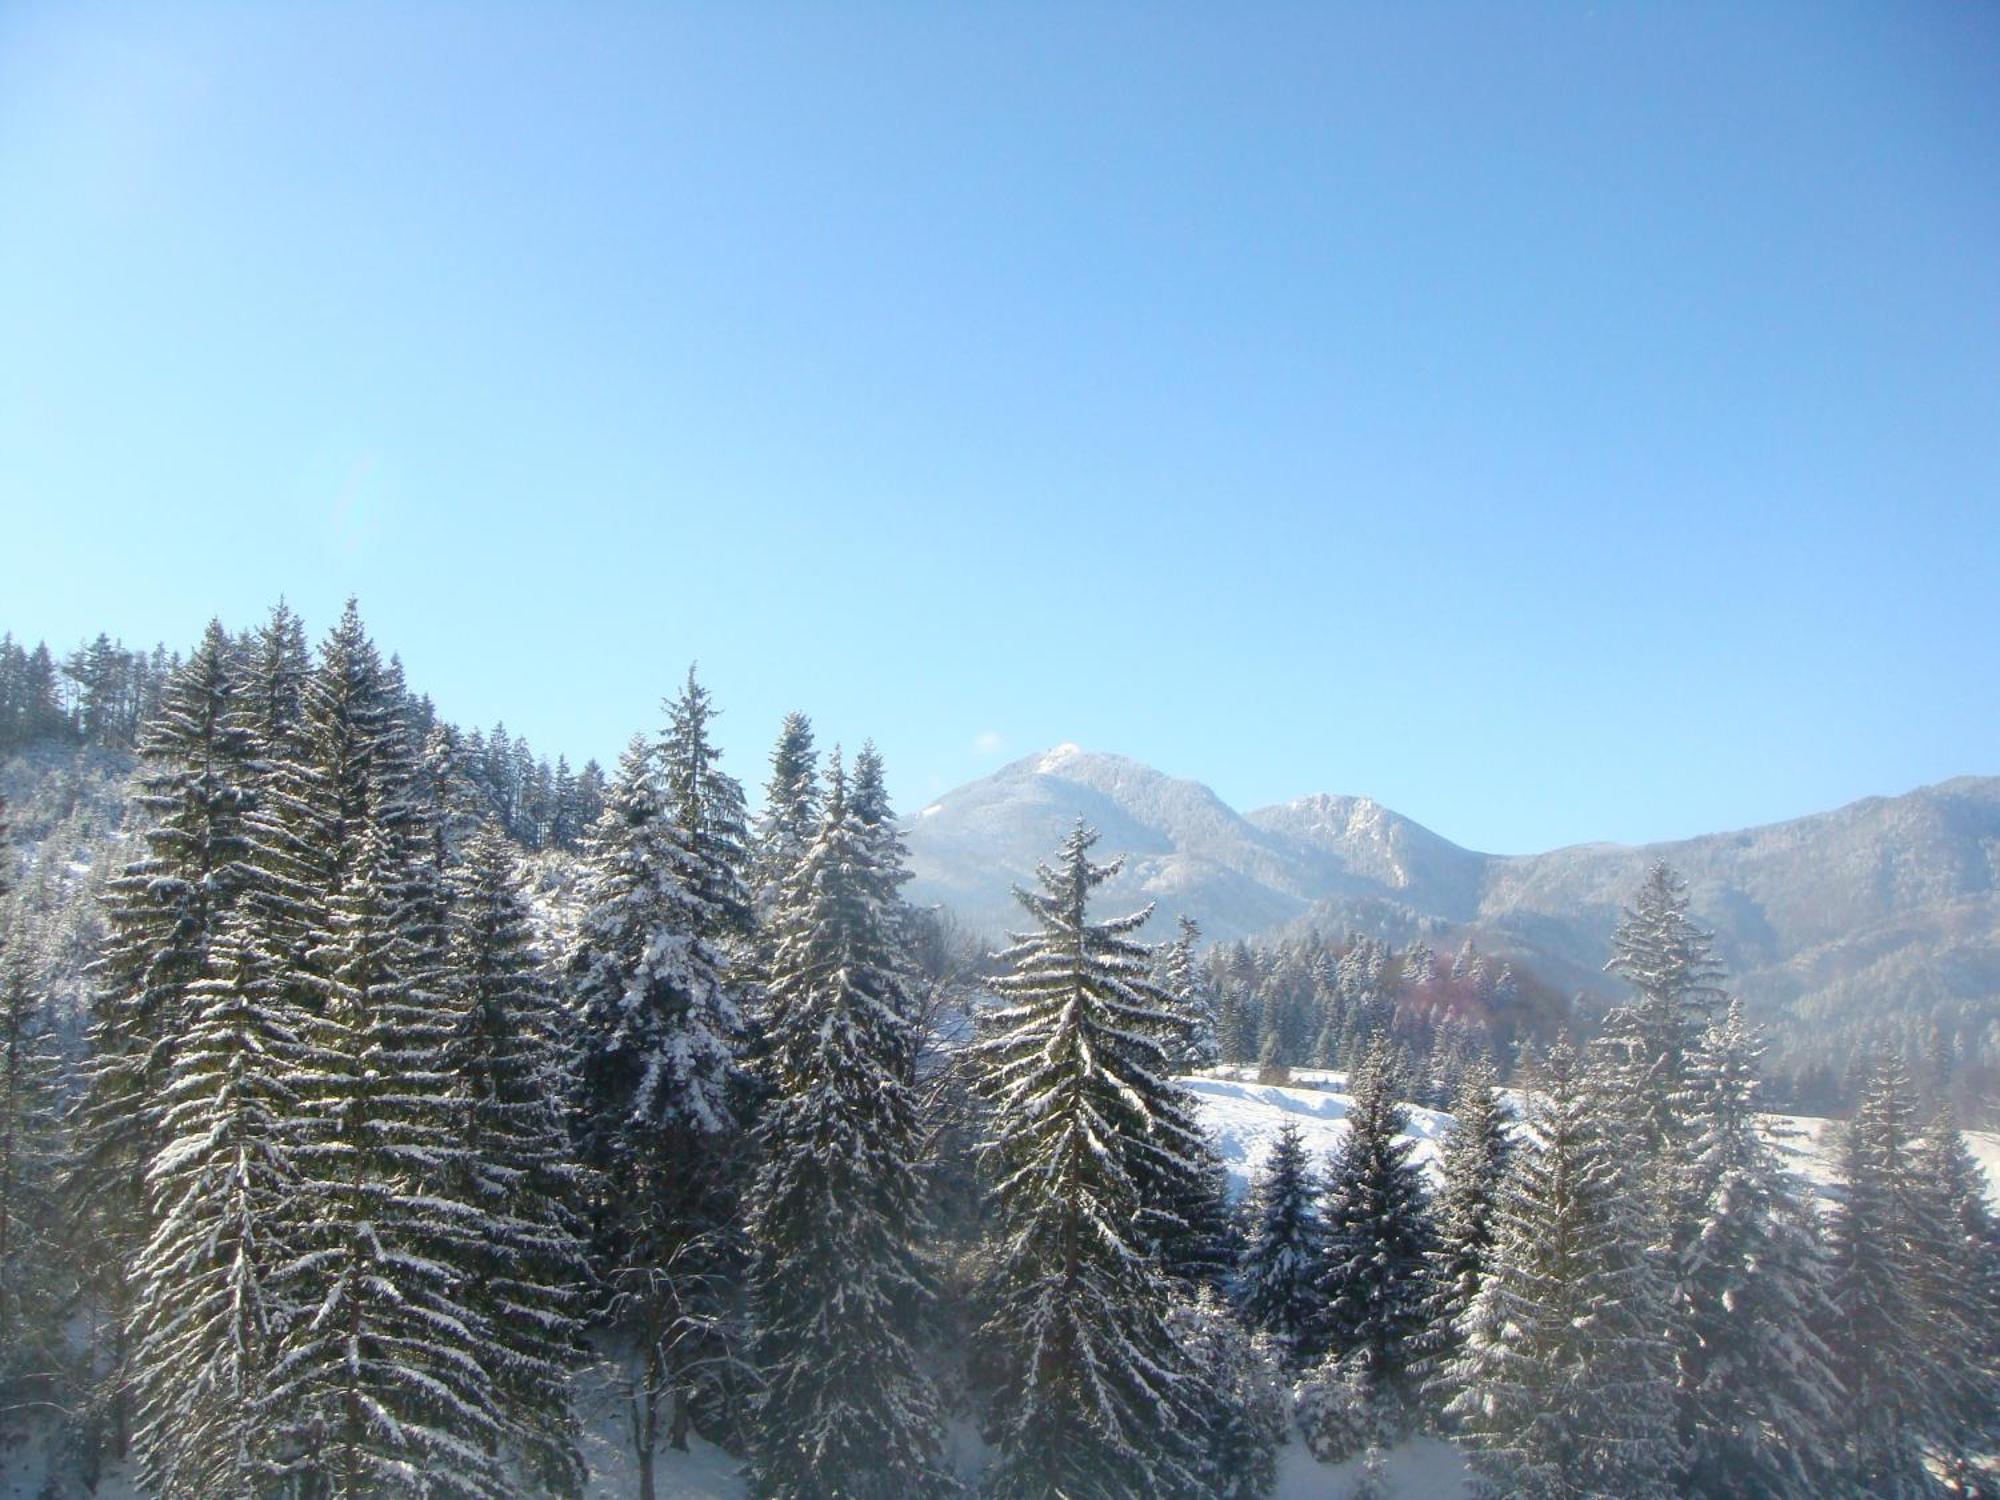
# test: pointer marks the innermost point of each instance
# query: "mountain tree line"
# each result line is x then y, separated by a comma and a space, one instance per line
1319, 1002
103, 694
350, 1184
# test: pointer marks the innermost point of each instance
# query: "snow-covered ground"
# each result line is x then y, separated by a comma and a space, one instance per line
1245, 1118
1421, 1469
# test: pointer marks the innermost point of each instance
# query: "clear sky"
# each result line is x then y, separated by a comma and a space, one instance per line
1556, 422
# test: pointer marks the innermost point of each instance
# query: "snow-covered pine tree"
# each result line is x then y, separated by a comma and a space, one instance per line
835, 1212
1756, 1397
1180, 978
1565, 1382
34, 1294
1669, 962
509, 1056
1236, 1025
1189, 1215
1875, 1236
790, 818
658, 1078
381, 1386
1959, 1295
275, 666
1472, 1161
1377, 1239
383, 1377
164, 910
1247, 1414
888, 871
1096, 1400
706, 804
1277, 1278
205, 1318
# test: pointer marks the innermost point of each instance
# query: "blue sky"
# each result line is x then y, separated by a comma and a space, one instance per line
1558, 423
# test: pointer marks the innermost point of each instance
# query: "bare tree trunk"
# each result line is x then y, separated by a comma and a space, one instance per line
646, 1419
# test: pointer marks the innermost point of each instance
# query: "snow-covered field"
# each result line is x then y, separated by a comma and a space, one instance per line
1245, 1118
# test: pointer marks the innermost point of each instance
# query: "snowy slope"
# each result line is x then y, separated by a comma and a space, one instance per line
1245, 1118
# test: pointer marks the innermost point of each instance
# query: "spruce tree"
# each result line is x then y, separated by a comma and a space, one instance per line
1875, 1234
1377, 1239
384, 1380
1095, 1397
658, 1082
275, 666
382, 1387
509, 1055
34, 1292
790, 819
1246, 1414
1472, 1162
706, 805
835, 1214
221, 1191
1756, 1397
888, 869
1958, 1292
1565, 1383
1277, 1279
1180, 977
164, 910
1668, 961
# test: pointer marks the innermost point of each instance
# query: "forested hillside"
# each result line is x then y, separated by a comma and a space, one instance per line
1873, 926
360, 1137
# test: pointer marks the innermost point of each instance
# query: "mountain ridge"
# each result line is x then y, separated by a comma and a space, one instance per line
1885, 909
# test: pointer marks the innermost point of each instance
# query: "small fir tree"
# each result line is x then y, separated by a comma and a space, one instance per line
1565, 1385
1277, 1279
1378, 1238
1472, 1162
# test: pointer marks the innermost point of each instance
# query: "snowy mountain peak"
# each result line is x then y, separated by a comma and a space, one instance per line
1053, 761
1886, 906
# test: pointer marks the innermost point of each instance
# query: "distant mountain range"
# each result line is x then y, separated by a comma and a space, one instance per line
1886, 911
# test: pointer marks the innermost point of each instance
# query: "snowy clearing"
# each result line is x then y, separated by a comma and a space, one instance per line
1245, 1118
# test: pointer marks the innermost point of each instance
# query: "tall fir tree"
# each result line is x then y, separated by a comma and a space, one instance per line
275, 666
510, 1058
1876, 1237
1472, 1166
206, 1316
658, 1084
382, 1388
1756, 1397
1095, 1397
35, 1292
1277, 1278
1668, 960
1958, 1262
164, 910
790, 818
888, 870
835, 1212
1565, 1383
1378, 1237
706, 804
